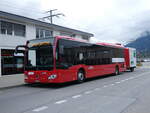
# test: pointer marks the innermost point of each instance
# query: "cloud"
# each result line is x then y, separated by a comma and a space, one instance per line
28, 8
109, 20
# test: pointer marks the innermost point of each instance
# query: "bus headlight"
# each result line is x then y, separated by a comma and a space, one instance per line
52, 76
25, 76
30, 73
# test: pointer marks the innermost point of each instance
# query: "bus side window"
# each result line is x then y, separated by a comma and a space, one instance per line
61, 49
80, 56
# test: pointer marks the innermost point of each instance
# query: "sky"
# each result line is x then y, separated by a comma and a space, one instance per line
113, 21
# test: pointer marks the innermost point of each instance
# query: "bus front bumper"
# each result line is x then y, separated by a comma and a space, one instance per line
42, 77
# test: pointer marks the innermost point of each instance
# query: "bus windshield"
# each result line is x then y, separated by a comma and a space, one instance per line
40, 56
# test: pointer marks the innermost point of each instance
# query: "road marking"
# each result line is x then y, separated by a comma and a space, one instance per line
123, 80
96, 89
40, 108
111, 84
88, 92
61, 101
117, 82
76, 96
126, 79
105, 86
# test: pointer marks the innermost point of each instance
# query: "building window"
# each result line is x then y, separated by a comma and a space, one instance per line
48, 33
43, 33
6, 28
19, 30
73, 35
85, 38
37, 33
9, 28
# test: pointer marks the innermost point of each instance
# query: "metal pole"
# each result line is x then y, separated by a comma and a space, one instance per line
51, 18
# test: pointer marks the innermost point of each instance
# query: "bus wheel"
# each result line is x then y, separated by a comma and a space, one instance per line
117, 71
131, 69
80, 76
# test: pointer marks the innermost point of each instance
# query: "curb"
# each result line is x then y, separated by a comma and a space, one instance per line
9, 87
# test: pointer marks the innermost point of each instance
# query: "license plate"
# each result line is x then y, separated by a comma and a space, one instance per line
37, 81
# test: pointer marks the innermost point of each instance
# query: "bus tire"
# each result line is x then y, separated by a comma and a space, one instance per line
117, 71
132, 69
80, 76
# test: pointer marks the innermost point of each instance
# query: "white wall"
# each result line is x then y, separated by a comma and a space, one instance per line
30, 32
56, 33
11, 41
78, 36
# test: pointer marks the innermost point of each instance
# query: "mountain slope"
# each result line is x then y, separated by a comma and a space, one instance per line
142, 44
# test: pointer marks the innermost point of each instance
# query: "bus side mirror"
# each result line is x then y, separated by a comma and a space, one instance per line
19, 46
17, 52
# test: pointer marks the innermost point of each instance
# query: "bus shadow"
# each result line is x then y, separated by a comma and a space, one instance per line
51, 85
102, 77
68, 84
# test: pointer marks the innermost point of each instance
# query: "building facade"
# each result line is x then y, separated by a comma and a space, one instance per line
16, 30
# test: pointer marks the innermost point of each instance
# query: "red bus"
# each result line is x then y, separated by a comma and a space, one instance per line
62, 59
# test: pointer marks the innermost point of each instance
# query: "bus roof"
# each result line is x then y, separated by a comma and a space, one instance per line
62, 37
72, 38
111, 45
81, 40
101, 43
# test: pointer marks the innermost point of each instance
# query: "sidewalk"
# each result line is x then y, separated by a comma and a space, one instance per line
8, 81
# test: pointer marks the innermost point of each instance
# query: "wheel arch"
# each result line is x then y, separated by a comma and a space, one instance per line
117, 70
83, 70
117, 66
79, 78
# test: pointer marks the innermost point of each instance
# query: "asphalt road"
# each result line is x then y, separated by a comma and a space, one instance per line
126, 93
